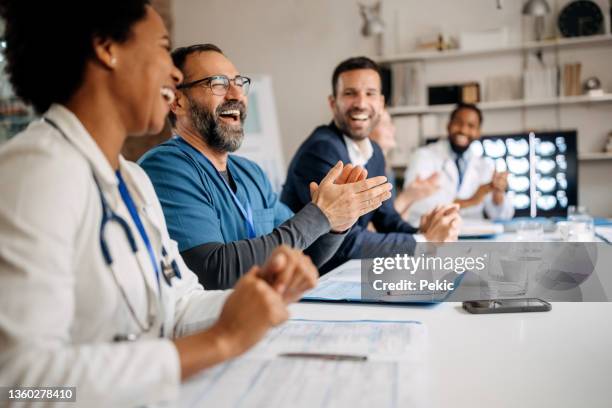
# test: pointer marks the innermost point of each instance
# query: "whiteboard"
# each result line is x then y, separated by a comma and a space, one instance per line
262, 142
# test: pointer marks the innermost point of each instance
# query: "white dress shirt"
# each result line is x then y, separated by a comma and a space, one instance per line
359, 155
439, 157
60, 307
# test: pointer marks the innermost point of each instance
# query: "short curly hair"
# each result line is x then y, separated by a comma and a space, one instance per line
468, 106
48, 43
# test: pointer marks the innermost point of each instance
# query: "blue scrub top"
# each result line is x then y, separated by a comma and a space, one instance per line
198, 205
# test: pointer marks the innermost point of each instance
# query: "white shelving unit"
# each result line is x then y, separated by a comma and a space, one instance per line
514, 104
554, 45
604, 39
595, 156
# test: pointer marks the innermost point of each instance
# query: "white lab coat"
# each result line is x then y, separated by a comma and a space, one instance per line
59, 305
439, 157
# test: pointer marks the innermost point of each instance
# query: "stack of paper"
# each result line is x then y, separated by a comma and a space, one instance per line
392, 375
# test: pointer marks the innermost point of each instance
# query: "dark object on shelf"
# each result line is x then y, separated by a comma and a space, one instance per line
592, 87
387, 83
580, 18
452, 94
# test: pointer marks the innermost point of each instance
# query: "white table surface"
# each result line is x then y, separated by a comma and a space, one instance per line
561, 358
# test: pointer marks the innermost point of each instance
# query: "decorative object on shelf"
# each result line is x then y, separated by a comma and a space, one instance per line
580, 18
373, 25
443, 94
436, 42
470, 93
407, 87
609, 144
372, 22
537, 9
503, 88
451, 94
570, 78
592, 87
386, 76
548, 44
540, 83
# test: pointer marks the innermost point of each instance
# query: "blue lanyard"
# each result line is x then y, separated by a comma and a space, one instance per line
246, 211
460, 163
129, 203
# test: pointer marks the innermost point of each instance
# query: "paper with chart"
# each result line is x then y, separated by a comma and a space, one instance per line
392, 376
377, 340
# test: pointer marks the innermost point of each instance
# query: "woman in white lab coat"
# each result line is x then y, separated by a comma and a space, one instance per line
93, 293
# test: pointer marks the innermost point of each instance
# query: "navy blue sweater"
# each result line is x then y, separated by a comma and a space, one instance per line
313, 160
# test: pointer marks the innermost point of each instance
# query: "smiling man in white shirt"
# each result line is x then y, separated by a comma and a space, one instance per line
465, 176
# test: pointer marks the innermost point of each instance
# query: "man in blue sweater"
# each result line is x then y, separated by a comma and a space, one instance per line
220, 207
357, 103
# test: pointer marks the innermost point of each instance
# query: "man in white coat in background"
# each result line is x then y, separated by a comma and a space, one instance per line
465, 176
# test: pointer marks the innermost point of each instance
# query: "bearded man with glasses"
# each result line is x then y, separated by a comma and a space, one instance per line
220, 207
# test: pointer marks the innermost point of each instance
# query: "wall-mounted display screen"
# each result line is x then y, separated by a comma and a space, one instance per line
542, 167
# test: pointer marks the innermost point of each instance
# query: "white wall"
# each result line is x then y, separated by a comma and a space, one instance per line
299, 42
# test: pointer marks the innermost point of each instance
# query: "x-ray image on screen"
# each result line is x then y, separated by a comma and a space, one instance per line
543, 170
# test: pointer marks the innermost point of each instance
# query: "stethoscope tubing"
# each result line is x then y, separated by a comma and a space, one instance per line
108, 215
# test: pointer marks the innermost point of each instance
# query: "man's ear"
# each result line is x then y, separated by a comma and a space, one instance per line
332, 103
106, 52
180, 104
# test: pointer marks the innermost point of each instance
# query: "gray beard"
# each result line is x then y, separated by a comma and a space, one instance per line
216, 135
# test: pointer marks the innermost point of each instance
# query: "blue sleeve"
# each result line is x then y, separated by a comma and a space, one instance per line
188, 208
312, 165
360, 243
387, 219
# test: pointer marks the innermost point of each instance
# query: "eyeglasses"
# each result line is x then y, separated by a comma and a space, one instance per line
219, 84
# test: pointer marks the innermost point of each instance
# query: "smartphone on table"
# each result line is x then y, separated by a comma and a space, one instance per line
506, 306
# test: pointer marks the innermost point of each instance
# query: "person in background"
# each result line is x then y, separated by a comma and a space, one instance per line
356, 104
465, 178
220, 207
93, 292
418, 189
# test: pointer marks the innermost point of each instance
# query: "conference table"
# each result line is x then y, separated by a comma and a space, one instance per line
561, 358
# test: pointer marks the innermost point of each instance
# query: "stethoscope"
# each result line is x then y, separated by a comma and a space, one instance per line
168, 266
